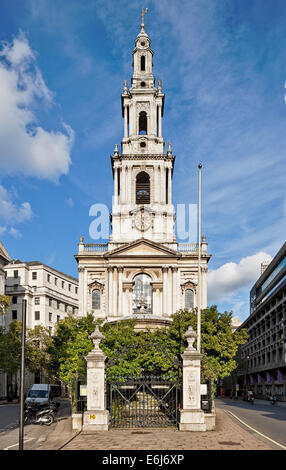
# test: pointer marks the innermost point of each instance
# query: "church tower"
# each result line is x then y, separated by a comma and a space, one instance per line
143, 172
142, 272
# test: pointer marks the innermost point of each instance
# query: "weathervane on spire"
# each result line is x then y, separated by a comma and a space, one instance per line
142, 16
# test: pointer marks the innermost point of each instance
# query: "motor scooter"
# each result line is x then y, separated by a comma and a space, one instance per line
273, 400
34, 414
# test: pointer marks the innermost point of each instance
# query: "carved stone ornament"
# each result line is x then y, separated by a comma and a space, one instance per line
96, 338
191, 336
188, 285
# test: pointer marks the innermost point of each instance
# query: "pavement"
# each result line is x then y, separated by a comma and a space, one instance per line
228, 435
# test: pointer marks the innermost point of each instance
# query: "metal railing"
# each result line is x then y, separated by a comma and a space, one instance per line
188, 247
95, 247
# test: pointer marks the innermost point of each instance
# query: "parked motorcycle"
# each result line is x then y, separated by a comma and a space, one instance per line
40, 415
273, 400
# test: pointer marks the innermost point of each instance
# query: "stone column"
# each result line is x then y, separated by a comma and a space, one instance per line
170, 186
85, 293
110, 290
115, 186
96, 418
165, 290
175, 290
80, 290
106, 291
125, 122
120, 290
191, 416
159, 120
169, 291
115, 291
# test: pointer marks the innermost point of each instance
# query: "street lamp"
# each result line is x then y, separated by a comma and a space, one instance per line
22, 374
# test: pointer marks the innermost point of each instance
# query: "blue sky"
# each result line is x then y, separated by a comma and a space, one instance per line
223, 70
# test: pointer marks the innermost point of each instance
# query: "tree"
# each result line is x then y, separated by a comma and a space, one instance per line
10, 348
130, 352
4, 303
219, 345
38, 341
70, 344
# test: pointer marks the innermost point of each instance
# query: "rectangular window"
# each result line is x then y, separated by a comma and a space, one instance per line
76, 290
37, 315
34, 275
14, 299
69, 287
56, 281
49, 278
50, 302
50, 317
16, 274
63, 284
14, 314
37, 300
58, 305
58, 318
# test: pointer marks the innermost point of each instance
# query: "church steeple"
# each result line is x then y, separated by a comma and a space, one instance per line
143, 103
142, 172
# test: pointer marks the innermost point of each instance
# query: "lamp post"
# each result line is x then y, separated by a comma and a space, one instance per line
22, 374
199, 262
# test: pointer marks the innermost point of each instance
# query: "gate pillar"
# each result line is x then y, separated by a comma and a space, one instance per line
96, 418
192, 418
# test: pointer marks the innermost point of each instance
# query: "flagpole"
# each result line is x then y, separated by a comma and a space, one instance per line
199, 262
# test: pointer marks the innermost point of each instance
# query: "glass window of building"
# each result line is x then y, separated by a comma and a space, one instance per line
189, 299
96, 299
142, 294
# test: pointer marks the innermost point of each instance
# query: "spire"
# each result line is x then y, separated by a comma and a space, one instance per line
142, 19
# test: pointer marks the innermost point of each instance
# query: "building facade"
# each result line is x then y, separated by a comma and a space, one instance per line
50, 296
142, 272
264, 354
4, 260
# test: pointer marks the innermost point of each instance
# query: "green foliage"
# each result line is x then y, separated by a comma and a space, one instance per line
4, 303
69, 347
10, 347
38, 341
131, 352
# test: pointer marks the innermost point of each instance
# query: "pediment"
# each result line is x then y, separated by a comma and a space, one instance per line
143, 247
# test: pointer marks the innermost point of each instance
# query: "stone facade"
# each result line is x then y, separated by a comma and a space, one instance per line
142, 271
4, 260
264, 354
50, 296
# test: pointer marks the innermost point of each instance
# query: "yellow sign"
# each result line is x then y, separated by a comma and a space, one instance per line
92, 416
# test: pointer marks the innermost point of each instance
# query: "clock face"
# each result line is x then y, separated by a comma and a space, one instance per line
142, 220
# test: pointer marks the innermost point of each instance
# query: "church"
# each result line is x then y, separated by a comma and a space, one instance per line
142, 272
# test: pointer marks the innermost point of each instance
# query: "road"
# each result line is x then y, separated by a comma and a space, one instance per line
33, 433
9, 417
268, 420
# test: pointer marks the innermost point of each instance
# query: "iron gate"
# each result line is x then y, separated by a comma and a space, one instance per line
147, 401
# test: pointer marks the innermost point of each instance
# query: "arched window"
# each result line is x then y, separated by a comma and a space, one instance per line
96, 299
142, 188
142, 122
143, 63
142, 294
189, 299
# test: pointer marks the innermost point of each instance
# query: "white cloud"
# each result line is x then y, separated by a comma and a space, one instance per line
69, 202
25, 147
10, 212
227, 281
15, 232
